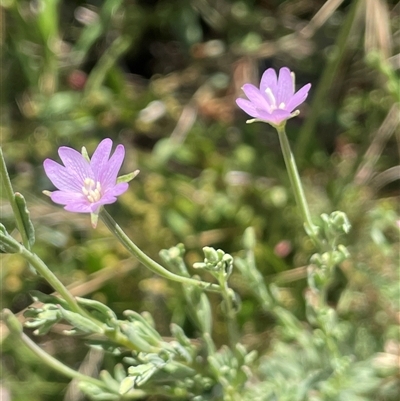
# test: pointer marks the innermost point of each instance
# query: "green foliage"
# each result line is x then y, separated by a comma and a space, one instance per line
161, 78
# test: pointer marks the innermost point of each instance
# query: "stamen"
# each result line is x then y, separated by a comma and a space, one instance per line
282, 106
92, 190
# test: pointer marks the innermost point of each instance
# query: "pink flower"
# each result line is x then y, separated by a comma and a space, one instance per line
276, 99
85, 185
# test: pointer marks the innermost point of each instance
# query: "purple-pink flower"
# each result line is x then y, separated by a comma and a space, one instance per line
83, 185
276, 99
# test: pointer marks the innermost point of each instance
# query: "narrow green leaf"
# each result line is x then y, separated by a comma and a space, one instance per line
119, 372
8, 244
25, 216
127, 384
48, 299
111, 383
45, 328
104, 310
80, 322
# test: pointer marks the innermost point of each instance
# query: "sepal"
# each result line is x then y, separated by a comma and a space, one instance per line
128, 177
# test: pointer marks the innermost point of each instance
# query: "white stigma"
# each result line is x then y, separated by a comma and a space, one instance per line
271, 98
293, 81
92, 190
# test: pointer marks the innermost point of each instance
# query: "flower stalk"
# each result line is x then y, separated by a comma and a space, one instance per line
295, 182
146, 260
274, 103
230, 313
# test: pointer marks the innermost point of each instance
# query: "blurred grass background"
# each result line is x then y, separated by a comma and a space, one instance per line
161, 78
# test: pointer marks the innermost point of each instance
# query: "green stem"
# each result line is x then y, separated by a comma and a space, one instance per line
295, 181
48, 275
147, 261
231, 322
52, 279
15, 328
11, 198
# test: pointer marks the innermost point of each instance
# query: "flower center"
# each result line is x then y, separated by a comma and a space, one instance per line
92, 190
272, 101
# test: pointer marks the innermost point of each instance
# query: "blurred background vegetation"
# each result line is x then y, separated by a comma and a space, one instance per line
161, 77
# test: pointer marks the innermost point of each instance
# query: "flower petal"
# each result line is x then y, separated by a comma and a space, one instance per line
276, 117
101, 155
75, 163
94, 207
108, 175
255, 96
269, 80
79, 207
247, 107
298, 98
64, 198
105, 200
285, 86
111, 195
118, 189
60, 177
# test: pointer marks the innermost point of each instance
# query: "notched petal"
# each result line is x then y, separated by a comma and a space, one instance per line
119, 189
269, 80
298, 98
247, 107
64, 198
108, 176
101, 155
75, 163
285, 86
60, 176
255, 96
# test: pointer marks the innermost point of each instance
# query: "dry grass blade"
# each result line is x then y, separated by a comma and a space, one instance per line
319, 19
289, 276
365, 171
184, 125
386, 177
395, 61
245, 71
377, 28
89, 367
